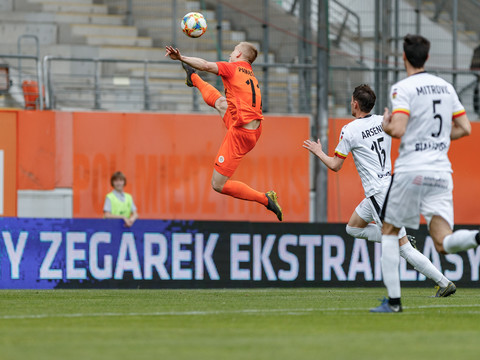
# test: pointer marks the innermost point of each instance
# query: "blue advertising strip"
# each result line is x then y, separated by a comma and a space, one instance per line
96, 253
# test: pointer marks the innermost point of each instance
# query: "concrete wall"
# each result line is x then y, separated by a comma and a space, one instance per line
57, 203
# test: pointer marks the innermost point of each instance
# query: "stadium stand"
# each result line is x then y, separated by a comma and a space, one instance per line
98, 29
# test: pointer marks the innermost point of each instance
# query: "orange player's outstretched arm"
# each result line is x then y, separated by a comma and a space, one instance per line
195, 62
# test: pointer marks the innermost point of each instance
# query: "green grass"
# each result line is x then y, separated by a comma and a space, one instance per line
236, 324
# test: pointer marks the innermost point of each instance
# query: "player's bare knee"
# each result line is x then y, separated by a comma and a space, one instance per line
221, 104
440, 249
439, 246
217, 186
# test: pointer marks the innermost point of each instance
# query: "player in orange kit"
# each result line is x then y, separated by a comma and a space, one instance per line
241, 112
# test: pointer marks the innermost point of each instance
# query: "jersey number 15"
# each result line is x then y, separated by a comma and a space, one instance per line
377, 147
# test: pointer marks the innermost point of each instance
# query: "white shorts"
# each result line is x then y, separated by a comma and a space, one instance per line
370, 208
411, 194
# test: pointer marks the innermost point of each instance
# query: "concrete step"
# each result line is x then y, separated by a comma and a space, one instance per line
227, 35
84, 2
143, 53
165, 24
186, 44
155, 6
10, 31
91, 34
69, 18
108, 30
166, 14
147, 53
118, 40
75, 30
95, 19
73, 7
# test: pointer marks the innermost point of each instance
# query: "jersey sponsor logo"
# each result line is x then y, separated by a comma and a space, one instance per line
418, 180
430, 181
422, 146
432, 90
372, 131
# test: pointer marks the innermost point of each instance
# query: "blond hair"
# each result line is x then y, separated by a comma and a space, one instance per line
249, 51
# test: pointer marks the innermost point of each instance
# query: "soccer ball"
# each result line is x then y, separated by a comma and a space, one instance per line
194, 25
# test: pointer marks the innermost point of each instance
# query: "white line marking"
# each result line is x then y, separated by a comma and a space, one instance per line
290, 312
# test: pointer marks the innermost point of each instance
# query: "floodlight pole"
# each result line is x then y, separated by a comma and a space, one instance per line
320, 128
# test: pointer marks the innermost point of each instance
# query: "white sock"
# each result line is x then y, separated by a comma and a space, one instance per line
371, 232
460, 240
422, 264
390, 264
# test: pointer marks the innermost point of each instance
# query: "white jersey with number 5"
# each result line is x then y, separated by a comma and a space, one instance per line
431, 103
370, 146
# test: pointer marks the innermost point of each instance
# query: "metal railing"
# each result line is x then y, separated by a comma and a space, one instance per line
117, 84
18, 93
356, 29
143, 85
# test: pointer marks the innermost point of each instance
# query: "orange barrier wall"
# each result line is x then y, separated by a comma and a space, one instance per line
45, 151
8, 143
168, 160
345, 189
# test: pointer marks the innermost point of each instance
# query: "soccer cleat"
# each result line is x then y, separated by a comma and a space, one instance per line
412, 241
189, 70
273, 204
385, 307
450, 289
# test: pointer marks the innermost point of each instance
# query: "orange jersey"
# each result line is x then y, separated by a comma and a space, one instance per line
242, 92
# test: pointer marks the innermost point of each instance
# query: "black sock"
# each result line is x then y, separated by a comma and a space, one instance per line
394, 301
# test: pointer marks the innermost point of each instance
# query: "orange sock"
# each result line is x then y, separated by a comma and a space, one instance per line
209, 93
242, 191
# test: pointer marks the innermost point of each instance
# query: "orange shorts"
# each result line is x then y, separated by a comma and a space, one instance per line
237, 143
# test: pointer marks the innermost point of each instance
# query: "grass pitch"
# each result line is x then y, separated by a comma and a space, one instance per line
236, 324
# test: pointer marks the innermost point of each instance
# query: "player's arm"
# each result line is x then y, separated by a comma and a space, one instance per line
195, 62
395, 124
332, 162
460, 127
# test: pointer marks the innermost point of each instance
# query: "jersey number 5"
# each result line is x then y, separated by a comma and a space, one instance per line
437, 117
377, 147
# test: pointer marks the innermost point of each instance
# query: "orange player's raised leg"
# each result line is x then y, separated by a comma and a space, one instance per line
209, 93
236, 189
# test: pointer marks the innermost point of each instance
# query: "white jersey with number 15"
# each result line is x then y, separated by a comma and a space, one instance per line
370, 147
431, 103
